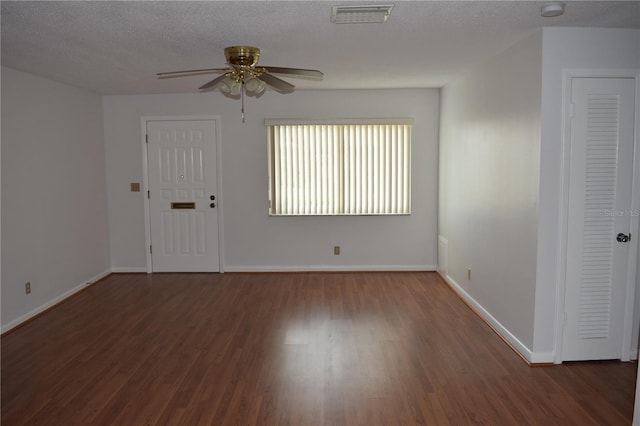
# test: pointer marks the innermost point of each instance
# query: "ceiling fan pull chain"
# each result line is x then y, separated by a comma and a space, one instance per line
242, 95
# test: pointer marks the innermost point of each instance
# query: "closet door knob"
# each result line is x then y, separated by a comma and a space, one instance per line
623, 238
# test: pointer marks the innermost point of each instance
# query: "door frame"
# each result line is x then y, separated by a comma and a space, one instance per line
631, 307
145, 179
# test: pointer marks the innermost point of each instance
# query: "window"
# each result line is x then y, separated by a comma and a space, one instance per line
340, 168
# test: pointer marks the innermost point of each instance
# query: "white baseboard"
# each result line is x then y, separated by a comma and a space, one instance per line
543, 358
129, 270
56, 300
329, 268
314, 268
516, 344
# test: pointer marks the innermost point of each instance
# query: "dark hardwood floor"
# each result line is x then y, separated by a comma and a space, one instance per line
288, 349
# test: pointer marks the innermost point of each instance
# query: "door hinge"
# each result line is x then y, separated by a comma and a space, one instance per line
571, 109
148, 194
151, 249
146, 138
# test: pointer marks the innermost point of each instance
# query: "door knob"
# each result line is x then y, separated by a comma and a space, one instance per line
623, 238
213, 197
212, 205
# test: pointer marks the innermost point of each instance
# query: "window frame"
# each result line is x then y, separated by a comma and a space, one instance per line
407, 169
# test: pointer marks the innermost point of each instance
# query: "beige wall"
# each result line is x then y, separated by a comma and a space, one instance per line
253, 241
489, 163
54, 215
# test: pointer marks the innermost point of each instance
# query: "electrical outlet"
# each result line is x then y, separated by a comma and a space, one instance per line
336, 250
469, 274
27, 288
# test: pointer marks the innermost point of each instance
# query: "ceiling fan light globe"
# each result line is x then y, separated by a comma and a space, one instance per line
230, 86
253, 85
227, 85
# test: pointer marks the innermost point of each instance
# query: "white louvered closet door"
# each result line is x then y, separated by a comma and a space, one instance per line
601, 173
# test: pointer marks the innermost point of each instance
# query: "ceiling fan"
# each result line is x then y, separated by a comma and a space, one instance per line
244, 76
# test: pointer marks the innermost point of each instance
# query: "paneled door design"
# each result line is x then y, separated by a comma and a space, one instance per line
183, 207
600, 215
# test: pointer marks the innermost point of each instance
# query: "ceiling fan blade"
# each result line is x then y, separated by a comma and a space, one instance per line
276, 83
294, 71
187, 73
212, 83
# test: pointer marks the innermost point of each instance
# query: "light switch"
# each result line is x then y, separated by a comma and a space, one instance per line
135, 186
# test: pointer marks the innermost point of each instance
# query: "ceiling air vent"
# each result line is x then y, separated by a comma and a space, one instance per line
361, 14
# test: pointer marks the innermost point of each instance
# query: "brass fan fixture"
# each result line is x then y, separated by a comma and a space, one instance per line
244, 76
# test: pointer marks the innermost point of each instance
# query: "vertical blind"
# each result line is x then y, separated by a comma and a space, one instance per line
340, 169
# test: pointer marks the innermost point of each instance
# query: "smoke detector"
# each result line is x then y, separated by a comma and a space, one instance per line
550, 10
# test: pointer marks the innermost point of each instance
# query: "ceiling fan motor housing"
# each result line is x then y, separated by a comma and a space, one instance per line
247, 56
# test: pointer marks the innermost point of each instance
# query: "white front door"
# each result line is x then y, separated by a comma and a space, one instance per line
183, 207
600, 215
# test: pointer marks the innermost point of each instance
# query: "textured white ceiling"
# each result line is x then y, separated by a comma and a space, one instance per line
117, 47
